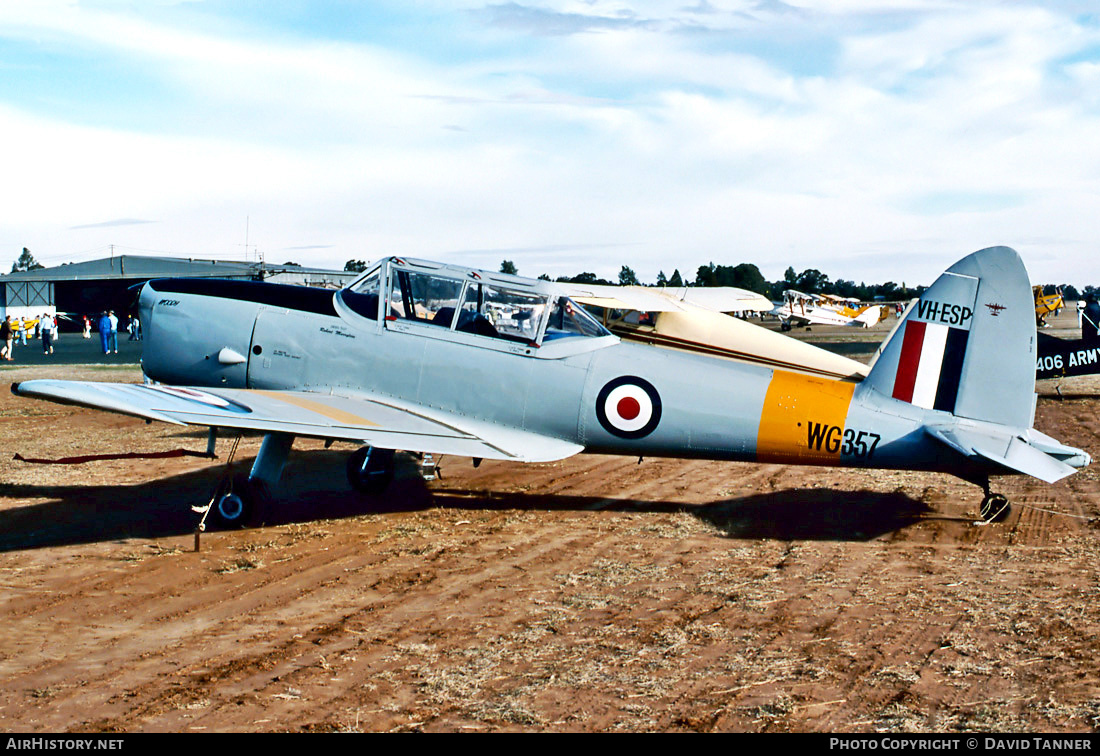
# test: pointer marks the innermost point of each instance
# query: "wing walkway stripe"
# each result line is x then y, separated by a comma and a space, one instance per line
333, 413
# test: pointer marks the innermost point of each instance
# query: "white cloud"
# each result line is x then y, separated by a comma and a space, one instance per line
929, 131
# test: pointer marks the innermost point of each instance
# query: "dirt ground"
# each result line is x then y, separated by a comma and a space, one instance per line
594, 594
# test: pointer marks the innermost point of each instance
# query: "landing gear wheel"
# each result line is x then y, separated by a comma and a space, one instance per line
370, 470
234, 506
995, 508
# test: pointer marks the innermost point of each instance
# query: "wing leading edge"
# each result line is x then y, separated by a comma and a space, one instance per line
374, 421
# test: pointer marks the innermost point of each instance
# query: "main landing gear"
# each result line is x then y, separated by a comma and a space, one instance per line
370, 470
233, 506
238, 495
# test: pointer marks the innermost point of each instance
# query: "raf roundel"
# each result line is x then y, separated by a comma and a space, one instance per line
629, 407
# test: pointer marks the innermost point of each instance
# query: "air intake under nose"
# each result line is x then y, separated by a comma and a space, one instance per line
229, 356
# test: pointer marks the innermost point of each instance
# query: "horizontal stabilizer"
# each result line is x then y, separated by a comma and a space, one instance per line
1013, 452
1071, 456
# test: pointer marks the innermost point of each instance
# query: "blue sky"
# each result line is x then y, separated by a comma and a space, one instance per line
874, 140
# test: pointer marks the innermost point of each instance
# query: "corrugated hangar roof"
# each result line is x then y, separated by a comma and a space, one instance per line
141, 267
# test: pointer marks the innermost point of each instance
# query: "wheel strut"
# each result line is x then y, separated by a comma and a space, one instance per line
370, 470
238, 494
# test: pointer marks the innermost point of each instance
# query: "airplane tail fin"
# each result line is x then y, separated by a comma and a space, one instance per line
967, 346
870, 316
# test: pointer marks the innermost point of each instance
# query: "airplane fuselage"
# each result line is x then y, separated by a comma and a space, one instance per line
615, 397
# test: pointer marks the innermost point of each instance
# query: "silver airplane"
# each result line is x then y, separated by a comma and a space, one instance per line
439, 359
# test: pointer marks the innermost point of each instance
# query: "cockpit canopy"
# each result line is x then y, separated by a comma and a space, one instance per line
497, 306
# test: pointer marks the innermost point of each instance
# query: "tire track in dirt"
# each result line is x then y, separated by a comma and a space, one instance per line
414, 611
595, 548
409, 610
201, 612
849, 645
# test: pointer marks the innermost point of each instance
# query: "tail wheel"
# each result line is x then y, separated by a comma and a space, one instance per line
995, 508
370, 470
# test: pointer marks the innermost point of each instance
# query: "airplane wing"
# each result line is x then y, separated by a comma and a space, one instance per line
722, 298
799, 319
653, 299
376, 421
637, 298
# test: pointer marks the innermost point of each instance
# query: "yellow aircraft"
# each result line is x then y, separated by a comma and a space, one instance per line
1045, 304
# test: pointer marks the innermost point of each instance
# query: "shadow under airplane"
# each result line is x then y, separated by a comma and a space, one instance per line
76, 514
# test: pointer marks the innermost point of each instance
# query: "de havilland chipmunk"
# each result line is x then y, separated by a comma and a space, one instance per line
439, 359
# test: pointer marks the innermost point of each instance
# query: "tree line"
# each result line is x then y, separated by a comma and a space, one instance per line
742, 276
809, 281
748, 276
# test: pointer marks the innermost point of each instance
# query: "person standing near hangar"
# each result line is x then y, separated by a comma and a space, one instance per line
113, 341
105, 332
7, 336
48, 327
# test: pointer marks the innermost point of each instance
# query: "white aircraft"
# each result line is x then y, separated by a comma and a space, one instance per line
824, 309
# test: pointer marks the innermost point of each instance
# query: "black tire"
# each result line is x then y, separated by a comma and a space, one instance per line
995, 508
370, 470
233, 507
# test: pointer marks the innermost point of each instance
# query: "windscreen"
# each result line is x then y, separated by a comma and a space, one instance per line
363, 296
501, 312
570, 319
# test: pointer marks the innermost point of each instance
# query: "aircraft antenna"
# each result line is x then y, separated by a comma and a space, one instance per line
247, 247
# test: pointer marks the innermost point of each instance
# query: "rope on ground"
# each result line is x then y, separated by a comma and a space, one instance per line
1055, 512
99, 457
991, 519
